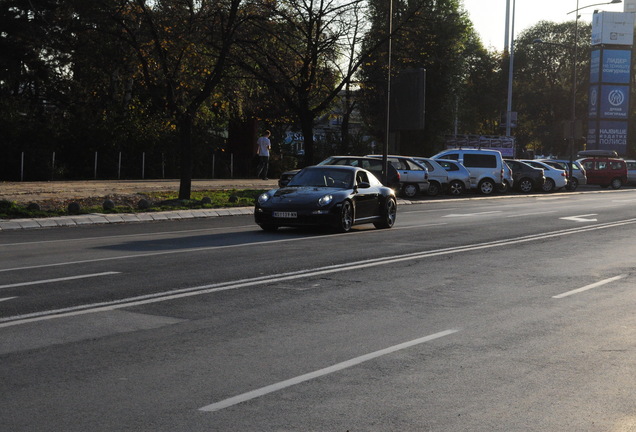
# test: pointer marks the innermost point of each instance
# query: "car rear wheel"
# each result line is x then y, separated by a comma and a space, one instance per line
486, 187
388, 214
616, 183
525, 185
434, 189
345, 221
410, 190
456, 188
548, 186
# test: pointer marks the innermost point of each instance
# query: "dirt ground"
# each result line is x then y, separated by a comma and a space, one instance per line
59, 193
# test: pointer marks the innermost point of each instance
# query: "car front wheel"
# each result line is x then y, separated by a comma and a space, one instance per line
574, 183
345, 221
388, 214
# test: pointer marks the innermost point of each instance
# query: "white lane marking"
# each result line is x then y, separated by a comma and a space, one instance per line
581, 218
321, 372
590, 286
530, 214
7, 298
261, 280
38, 282
199, 249
419, 225
470, 214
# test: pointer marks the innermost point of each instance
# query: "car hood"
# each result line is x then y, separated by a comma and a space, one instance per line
304, 195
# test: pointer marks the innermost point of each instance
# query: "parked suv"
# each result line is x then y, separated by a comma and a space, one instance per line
605, 171
486, 167
526, 178
370, 164
413, 176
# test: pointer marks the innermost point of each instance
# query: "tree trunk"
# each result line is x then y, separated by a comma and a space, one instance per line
184, 124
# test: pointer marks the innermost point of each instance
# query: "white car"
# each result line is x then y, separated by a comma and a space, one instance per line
555, 179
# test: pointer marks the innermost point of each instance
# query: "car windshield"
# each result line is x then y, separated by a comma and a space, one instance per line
323, 177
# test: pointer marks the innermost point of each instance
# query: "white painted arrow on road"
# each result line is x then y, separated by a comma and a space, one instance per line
581, 218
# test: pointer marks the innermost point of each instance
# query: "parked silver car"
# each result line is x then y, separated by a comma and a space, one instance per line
458, 176
413, 176
437, 175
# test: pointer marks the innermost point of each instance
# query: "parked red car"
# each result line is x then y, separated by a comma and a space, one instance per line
604, 169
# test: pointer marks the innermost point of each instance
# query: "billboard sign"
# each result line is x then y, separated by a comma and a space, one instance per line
613, 28
614, 101
616, 66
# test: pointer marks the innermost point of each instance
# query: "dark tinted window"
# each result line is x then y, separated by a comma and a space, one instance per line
480, 160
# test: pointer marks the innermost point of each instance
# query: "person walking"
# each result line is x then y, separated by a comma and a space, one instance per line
263, 146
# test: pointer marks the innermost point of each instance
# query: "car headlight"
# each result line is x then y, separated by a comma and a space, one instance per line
263, 198
325, 200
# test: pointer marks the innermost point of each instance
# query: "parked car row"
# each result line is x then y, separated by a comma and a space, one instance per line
456, 171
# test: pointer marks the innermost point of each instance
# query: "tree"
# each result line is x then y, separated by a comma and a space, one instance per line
543, 82
182, 49
306, 52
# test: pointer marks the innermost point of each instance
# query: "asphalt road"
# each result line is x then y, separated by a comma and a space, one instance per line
502, 314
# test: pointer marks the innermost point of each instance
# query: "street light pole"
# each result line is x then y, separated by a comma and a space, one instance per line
510, 71
385, 152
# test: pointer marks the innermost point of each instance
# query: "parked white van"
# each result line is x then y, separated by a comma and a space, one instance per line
486, 167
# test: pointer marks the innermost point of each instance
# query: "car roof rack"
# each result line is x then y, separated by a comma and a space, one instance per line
597, 153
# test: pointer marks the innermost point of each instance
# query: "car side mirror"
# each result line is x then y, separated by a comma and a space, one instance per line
364, 185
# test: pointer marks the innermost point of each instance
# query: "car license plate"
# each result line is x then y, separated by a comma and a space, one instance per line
287, 215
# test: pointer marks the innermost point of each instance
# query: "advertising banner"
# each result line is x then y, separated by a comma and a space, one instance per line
616, 66
612, 135
614, 101
613, 28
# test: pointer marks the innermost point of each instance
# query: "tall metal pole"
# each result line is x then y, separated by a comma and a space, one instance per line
510, 71
507, 36
574, 78
385, 152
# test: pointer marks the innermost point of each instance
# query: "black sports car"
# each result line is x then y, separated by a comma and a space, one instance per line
337, 196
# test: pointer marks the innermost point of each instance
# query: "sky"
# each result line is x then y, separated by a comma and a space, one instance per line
489, 16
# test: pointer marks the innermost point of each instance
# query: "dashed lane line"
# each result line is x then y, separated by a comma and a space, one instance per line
321, 372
